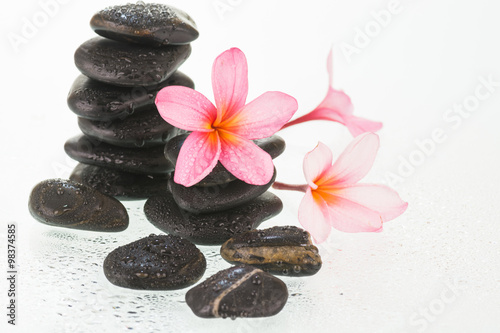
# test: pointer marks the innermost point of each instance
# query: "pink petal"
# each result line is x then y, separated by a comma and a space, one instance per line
198, 156
263, 116
186, 108
230, 82
348, 216
337, 101
378, 198
354, 163
358, 125
314, 216
317, 162
335, 107
245, 160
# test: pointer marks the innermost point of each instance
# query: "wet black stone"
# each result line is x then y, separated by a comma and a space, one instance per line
94, 100
241, 291
119, 184
211, 228
273, 145
90, 151
143, 129
216, 198
279, 250
145, 23
68, 204
156, 262
129, 65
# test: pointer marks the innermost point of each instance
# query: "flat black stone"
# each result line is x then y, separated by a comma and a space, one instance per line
120, 184
211, 228
156, 262
94, 100
90, 151
68, 204
129, 65
145, 23
216, 198
241, 291
284, 250
143, 129
274, 146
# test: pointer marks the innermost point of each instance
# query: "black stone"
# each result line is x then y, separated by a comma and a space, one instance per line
120, 184
156, 262
145, 23
273, 145
129, 65
143, 129
216, 198
90, 151
241, 291
94, 100
279, 250
68, 204
211, 228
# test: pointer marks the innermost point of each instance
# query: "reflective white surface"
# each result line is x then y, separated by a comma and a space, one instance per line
434, 269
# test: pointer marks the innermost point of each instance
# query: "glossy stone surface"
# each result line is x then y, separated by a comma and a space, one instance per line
90, 151
216, 198
241, 291
273, 145
156, 262
279, 250
210, 228
68, 204
143, 129
129, 65
145, 23
119, 184
94, 100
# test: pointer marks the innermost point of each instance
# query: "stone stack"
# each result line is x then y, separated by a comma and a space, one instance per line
138, 52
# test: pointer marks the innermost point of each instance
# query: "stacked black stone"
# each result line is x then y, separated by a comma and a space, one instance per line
138, 52
219, 206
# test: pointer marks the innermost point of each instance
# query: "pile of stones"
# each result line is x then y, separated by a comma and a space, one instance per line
128, 152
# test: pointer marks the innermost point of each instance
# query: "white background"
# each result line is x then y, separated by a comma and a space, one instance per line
434, 269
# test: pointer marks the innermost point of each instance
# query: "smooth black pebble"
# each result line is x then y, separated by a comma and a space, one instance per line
68, 204
284, 250
209, 199
129, 65
156, 262
90, 151
94, 100
145, 23
274, 146
143, 129
211, 228
240, 291
120, 184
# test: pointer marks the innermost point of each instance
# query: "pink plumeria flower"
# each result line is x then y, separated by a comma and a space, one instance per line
335, 199
223, 132
337, 106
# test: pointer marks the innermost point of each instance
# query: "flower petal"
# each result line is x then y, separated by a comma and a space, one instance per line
186, 108
358, 125
245, 160
354, 163
230, 82
379, 198
317, 162
263, 116
198, 156
314, 216
349, 216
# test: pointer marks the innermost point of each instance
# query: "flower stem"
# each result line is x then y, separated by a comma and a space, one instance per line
299, 120
288, 187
